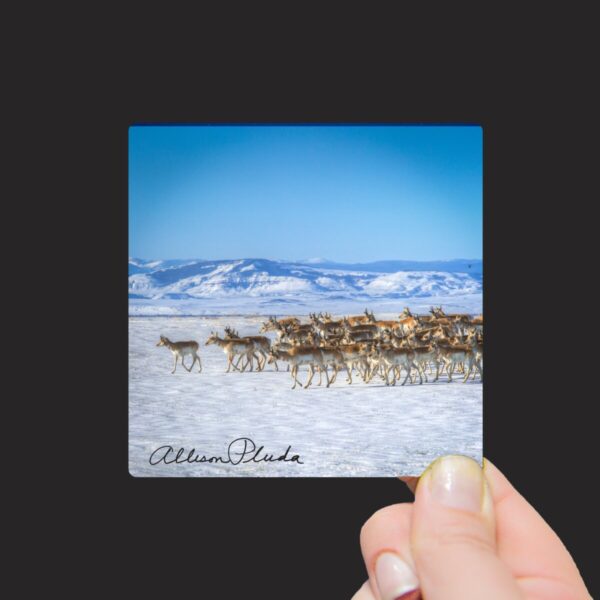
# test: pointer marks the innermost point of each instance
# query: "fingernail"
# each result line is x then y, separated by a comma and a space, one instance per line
457, 482
395, 579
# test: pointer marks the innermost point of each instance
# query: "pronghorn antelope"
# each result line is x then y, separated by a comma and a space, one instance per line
476, 342
374, 360
303, 336
379, 366
262, 344
422, 335
293, 321
354, 356
269, 325
425, 356
381, 325
425, 320
283, 346
324, 328
408, 324
453, 355
180, 350
439, 317
359, 319
274, 324
284, 331
459, 317
232, 348
441, 332
399, 341
301, 355
231, 333
306, 328
394, 359
389, 325
332, 356
437, 312
326, 317
360, 327
289, 321
448, 324
477, 323
332, 339
360, 335
374, 364
277, 345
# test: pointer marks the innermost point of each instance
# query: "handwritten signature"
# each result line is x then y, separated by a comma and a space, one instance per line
240, 451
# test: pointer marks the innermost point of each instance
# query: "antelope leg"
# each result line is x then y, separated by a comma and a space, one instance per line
311, 373
294, 375
419, 372
468, 372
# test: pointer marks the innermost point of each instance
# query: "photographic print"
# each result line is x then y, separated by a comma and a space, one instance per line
304, 300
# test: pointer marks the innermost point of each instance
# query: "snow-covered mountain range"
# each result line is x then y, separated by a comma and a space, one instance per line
201, 279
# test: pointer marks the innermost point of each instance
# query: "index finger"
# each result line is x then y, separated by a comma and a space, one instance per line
527, 544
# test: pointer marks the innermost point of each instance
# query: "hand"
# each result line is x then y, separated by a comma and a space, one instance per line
469, 535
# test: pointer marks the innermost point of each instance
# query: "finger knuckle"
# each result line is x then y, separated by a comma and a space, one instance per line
457, 534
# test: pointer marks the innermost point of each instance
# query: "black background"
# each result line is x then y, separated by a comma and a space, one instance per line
514, 75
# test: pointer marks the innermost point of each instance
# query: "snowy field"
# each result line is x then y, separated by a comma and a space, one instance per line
300, 304
346, 430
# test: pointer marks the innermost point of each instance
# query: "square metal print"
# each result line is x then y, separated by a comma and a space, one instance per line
304, 300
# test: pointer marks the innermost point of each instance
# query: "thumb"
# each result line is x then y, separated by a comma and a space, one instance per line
453, 538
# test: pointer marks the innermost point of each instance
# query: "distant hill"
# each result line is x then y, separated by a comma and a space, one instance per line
459, 265
257, 277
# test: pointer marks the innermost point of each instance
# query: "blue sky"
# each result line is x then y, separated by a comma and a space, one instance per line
345, 193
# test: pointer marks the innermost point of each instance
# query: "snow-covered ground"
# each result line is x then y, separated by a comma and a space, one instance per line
306, 303
345, 430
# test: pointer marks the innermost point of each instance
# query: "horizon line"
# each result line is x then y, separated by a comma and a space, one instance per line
316, 260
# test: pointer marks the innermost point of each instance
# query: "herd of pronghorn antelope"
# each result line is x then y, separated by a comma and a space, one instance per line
417, 344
